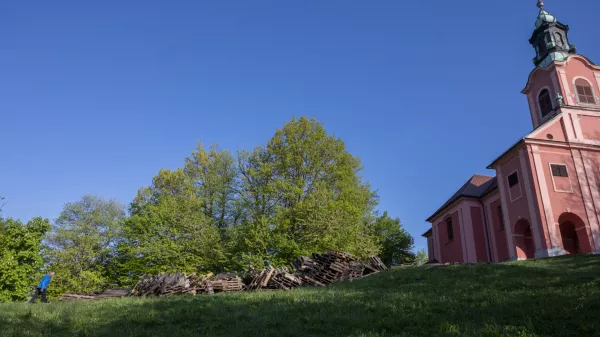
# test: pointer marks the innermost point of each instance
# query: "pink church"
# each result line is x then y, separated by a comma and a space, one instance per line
545, 198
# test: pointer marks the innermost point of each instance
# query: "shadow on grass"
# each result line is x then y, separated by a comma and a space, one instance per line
552, 297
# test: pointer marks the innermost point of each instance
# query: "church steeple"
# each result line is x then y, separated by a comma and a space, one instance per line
550, 39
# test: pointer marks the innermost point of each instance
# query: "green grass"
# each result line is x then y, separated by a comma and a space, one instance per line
550, 297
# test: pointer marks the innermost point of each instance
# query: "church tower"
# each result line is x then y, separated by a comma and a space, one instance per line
550, 39
561, 78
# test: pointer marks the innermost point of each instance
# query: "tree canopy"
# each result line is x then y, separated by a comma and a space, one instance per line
82, 243
300, 193
20, 256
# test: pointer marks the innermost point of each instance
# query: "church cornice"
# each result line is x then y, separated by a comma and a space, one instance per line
558, 63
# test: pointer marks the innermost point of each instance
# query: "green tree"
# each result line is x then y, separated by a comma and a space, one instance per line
396, 244
422, 257
168, 231
304, 189
214, 177
20, 257
82, 243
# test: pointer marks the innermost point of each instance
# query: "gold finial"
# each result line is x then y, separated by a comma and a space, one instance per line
540, 4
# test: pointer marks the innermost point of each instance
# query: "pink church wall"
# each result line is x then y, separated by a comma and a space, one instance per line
430, 249
539, 80
479, 235
556, 130
538, 200
574, 68
590, 127
568, 197
499, 231
517, 206
450, 251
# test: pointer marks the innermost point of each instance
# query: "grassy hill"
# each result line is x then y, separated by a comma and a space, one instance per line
550, 297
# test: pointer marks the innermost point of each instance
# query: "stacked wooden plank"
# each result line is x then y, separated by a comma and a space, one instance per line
318, 270
107, 293
77, 297
283, 279
113, 293
171, 284
227, 282
334, 266
376, 262
274, 278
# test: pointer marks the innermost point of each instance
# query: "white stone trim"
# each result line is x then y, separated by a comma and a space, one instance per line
585, 193
535, 226
545, 196
594, 228
575, 121
535, 118
461, 221
565, 85
569, 127
597, 76
512, 251
491, 229
469, 234
436, 241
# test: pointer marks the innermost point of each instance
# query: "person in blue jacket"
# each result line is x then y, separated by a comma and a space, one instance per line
42, 287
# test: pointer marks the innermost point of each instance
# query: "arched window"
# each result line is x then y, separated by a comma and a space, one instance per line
545, 102
450, 229
585, 94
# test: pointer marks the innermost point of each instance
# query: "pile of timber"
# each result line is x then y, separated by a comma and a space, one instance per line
77, 297
107, 293
274, 278
324, 269
172, 284
227, 282
320, 270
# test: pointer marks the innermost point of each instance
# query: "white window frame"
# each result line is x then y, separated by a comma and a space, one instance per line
577, 94
568, 177
518, 184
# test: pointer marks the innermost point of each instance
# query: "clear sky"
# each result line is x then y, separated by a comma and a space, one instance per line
97, 97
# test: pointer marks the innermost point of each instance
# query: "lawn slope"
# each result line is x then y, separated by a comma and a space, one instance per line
549, 297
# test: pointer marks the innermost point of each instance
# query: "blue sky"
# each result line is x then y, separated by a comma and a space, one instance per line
97, 97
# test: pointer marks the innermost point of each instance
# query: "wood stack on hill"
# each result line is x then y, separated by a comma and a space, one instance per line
275, 278
324, 269
320, 270
227, 282
107, 293
77, 297
171, 284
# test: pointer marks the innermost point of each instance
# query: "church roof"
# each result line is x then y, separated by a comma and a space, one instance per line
476, 187
544, 17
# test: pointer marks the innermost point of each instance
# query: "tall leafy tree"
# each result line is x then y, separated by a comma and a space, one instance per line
20, 257
395, 242
213, 173
305, 190
83, 242
168, 230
